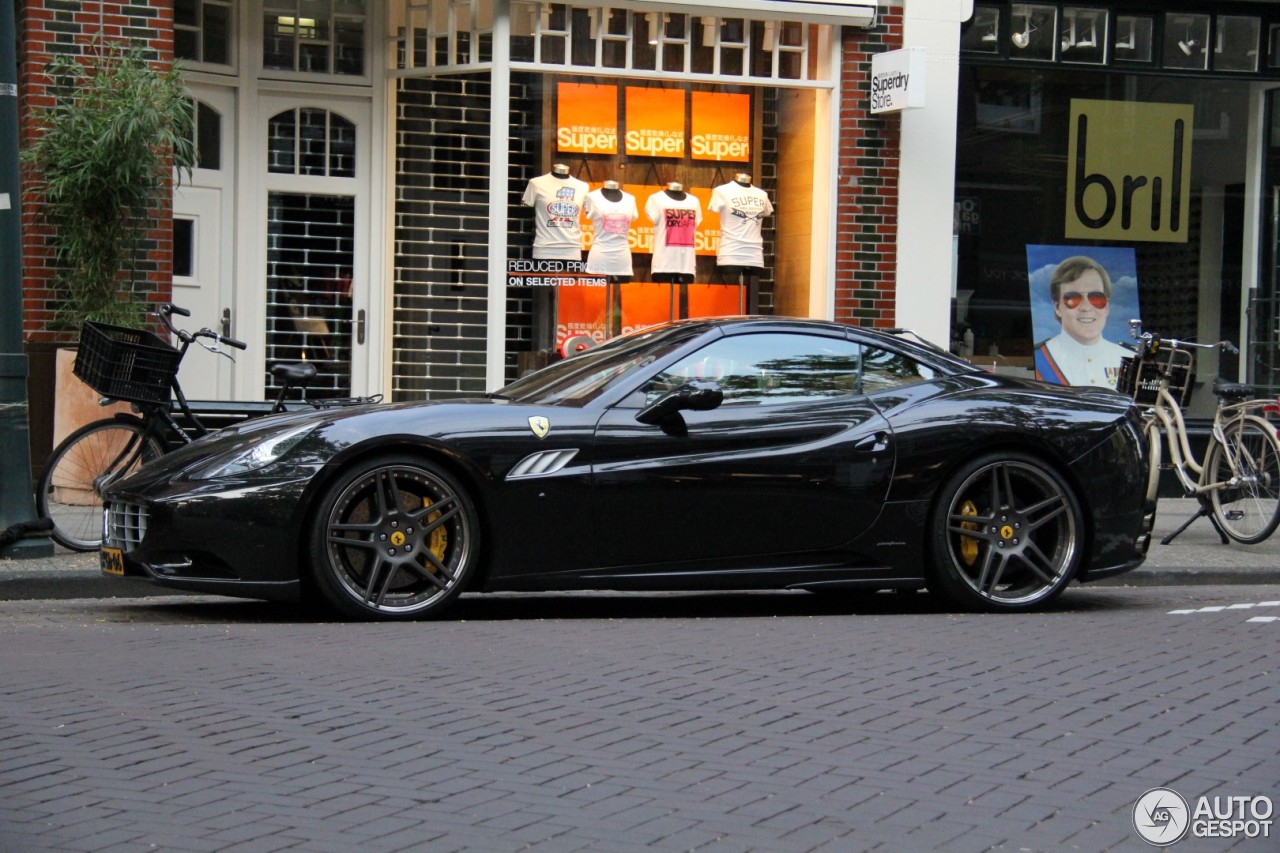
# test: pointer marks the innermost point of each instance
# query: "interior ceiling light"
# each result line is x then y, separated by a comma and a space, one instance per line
1188, 47
1022, 39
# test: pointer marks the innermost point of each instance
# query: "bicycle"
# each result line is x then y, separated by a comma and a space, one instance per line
1238, 483
141, 368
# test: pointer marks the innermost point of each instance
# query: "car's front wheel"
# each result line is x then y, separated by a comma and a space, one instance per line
1007, 534
394, 538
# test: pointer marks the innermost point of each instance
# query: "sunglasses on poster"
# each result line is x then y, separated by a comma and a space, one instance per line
1097, 299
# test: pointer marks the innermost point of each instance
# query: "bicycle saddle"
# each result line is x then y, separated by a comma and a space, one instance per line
299, 373
1232, 390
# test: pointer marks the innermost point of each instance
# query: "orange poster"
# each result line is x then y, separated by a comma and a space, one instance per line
645, 304
586, 118
641, 235
707, 238
655, 122
721, 127
580, 311
715, 300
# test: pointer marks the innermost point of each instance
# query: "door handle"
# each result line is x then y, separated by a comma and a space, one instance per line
875, 443
226, 322
360, 326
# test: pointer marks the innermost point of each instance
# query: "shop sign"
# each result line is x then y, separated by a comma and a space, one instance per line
897, 80
586, 118
721, 127
655, 122
1129, 171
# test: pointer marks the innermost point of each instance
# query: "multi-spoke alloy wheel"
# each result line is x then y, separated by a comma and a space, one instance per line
1007, 534
394, 538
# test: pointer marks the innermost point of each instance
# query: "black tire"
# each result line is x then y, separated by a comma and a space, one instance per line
394, 538
1248, 509
1007, 534
86, 462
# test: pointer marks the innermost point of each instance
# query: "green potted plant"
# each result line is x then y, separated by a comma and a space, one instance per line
103, 160
103, 163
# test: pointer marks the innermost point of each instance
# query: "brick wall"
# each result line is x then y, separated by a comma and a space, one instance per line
441, 239
46, 28
867, 200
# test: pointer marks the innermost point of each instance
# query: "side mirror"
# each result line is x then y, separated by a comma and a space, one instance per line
696, 395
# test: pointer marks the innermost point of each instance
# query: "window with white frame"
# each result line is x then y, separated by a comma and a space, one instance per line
443, 35
314, 36
202, 32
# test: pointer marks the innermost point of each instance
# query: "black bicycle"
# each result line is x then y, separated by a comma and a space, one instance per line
141, 368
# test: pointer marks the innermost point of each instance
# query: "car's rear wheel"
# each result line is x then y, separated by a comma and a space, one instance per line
1006, 534
394, 538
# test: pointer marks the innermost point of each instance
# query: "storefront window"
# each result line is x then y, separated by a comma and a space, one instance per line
1236, 43
1134, 34
646, 152
442, 34
1084, 35
1035, 32
1186, 41
314, 36
202, 31
1146, 173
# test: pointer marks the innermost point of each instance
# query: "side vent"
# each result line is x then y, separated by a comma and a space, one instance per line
542, 463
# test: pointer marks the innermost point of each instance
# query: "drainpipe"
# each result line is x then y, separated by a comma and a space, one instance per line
16, 502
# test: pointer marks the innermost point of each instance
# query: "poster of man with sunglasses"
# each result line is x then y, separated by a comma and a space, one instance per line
1091, 297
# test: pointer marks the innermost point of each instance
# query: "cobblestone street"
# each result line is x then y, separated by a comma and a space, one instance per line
616, 722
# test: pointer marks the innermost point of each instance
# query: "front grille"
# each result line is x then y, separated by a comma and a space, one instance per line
125, 525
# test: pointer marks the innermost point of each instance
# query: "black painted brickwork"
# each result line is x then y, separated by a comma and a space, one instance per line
441, 230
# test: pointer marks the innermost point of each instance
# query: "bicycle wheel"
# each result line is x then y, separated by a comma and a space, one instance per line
1155, 452
86, 462
1248, 507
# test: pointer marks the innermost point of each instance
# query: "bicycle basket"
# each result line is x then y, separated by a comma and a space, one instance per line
126, 364
1140, 377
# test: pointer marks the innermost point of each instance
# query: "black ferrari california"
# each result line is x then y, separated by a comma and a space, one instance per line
743, 453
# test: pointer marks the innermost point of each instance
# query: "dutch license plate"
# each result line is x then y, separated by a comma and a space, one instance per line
112, 561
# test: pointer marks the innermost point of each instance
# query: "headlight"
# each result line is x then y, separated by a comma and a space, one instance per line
257, 455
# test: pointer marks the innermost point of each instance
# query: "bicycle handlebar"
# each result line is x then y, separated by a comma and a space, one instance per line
1150, 341
165, 312
221, 339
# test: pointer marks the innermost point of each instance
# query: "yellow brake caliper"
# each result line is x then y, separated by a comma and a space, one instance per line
968, 544
439, 537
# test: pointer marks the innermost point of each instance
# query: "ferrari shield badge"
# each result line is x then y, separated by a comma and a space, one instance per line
540, 426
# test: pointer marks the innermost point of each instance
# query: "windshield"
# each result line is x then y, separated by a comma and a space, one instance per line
580, 379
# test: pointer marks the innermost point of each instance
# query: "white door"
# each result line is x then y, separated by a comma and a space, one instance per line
204, 243
310, 281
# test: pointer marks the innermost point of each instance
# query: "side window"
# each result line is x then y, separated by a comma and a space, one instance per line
768, 369
883, 369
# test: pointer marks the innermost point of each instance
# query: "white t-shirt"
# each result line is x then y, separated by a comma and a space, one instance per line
741, 208
610, 253
675, 221
1097, 364
557, 211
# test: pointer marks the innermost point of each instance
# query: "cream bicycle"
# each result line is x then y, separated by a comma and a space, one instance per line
1238, 483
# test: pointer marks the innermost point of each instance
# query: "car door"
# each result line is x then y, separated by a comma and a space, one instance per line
795, 459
